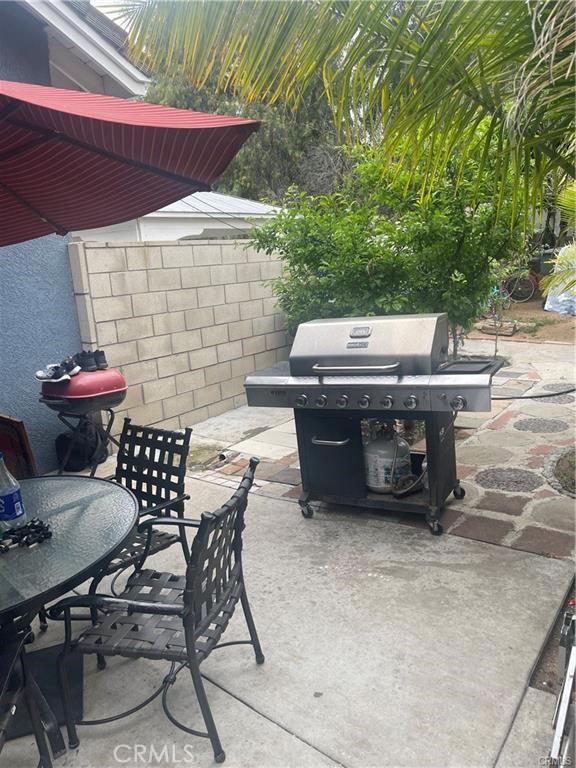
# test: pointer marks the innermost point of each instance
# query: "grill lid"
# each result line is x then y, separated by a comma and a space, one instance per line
87, 384
398, 345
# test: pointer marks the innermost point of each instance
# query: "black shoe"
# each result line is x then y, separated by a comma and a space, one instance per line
71, 366
100, 359
86, 361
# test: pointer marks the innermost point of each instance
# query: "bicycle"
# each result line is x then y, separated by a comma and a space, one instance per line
520, 286
498, 301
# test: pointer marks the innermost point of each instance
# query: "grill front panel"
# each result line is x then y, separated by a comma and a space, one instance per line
275, 387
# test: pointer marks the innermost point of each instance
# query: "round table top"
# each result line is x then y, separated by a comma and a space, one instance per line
90, 520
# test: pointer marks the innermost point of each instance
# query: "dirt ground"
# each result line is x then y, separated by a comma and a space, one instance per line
549, 326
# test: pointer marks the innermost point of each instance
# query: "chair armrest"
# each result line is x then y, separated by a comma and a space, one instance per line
115, 603
168, 521
157, 508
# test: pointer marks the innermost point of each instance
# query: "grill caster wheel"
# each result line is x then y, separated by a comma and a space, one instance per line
436, 528
459, 492
307, 511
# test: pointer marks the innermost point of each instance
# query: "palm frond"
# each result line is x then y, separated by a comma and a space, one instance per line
566, 202
395, 71
563, 278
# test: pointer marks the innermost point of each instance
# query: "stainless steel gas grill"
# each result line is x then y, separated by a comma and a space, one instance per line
343, 371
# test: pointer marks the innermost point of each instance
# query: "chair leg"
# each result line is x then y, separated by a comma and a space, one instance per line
183, 540
100, 660
39, 735
219, 754
41, 707
43, 619
47, 718
251, 627
73, 740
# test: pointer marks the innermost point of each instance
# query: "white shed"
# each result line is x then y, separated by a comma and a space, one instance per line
201, 215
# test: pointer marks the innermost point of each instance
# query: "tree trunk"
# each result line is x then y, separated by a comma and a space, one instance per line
454, 334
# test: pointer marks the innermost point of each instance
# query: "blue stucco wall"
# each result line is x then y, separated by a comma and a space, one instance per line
38, 320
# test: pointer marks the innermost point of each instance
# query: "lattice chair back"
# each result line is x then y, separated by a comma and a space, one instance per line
152, 463
214, 574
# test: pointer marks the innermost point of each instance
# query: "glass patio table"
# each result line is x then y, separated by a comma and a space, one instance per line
90, 519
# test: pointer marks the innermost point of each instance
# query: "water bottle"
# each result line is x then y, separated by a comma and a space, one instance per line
12, 513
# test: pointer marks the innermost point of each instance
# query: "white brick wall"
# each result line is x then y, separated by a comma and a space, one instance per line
184, 322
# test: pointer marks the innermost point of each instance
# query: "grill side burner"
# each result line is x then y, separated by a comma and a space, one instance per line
345, 370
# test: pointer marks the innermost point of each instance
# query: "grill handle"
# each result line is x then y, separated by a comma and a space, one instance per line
333, 443
355, 368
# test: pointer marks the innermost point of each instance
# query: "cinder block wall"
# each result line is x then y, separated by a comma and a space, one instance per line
185, 322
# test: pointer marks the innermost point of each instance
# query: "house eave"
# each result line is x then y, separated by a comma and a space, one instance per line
57, 16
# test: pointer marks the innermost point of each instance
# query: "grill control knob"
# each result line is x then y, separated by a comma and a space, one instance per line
301, 401
364, 401
342, 401
387, 401
458, 403
411, 402
321, 401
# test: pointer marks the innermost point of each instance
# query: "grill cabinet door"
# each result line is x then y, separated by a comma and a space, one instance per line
331, 454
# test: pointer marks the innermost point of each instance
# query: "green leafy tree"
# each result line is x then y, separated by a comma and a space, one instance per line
292, 147
376, 246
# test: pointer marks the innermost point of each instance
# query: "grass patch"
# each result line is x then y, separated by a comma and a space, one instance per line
202, 454
535, 325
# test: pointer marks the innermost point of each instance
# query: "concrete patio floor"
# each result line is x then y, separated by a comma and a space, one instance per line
385, 647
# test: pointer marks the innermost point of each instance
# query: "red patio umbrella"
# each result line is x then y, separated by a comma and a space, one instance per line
72, 160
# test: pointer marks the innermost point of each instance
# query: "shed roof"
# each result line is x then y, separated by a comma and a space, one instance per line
216, 204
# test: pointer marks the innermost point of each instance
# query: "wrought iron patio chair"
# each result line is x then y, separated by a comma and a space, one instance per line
15, 446
151, 463
17, 687
179, 619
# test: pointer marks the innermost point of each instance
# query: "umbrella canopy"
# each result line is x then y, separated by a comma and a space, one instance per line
72, 160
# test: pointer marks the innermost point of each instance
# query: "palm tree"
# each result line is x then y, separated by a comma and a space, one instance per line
394, 71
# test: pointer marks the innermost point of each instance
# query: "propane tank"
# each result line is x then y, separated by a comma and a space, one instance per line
386, 459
